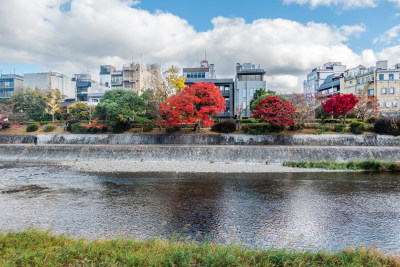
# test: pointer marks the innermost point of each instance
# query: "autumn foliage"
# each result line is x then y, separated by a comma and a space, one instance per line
340, 105
272, 109
193, 105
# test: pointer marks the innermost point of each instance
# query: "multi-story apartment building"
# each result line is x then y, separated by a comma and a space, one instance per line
249, 78
51, 80
380, 81
9, 84
138, 79
318, 75
206, 73
331, 85
105, 75
88, 90
117, 80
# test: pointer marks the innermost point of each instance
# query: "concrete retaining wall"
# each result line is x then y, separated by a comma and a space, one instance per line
221, 140
252, 154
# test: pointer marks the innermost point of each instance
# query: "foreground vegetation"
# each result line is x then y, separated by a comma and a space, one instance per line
35, 248
367, 165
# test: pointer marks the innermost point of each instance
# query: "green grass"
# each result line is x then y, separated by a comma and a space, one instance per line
35, 248
367, 165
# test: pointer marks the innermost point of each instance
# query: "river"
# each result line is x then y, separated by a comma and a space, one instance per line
311, 211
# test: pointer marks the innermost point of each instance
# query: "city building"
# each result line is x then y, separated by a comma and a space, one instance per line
379, 81
88, 90
331, 85
117, 80
51, 80
318, 75
10, 83
205, 71
138, 79
249, 78
105, 75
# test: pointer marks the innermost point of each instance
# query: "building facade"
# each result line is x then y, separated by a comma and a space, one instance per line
51, 80
331, 85
9, 84
105, 75
206, 73
88, 90
138, 79
318, 75
117, 80
249, 78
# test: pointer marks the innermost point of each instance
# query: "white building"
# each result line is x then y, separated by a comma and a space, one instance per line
318, 75
105, 75
249, 78
50, 80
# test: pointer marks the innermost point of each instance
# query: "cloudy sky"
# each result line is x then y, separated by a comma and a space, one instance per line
287, 37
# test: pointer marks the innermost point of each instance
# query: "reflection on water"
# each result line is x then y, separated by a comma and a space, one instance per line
325, 211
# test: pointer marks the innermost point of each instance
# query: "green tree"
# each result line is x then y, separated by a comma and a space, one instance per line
260, 94
119, 106
32, 102
81, 111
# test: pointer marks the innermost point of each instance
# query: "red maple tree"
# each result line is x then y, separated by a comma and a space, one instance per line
193, 105
273, 110
340, 105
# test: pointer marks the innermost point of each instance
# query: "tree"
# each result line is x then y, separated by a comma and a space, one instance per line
175, 81
193, 105
239, 110
54, 98
303, 109
260, 94
81, 111
272, 109
119, 106
367, 106
32, 102
340, 105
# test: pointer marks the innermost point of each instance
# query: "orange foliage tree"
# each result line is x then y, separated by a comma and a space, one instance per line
193, 105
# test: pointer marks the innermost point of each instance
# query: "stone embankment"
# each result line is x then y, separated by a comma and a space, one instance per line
199, 148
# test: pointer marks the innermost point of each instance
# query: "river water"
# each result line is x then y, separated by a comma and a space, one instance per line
328, 211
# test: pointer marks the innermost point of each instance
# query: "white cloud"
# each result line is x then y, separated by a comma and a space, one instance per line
388, 36
346, 4
98, 32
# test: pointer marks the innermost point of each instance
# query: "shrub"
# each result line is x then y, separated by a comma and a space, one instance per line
371, 120
121, 127
387, 126
49, 128
4, 125
250, 121
297, 127
226, 126
76, 128
324, 129
141, 120
339, 128
32, 127
311, 125
148, 128
262, 128
172, 129
70, 123
357, 127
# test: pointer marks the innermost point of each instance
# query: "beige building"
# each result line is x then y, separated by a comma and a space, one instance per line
380, 81
138, 79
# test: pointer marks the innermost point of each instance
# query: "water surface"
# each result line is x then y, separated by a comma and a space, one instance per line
294, 210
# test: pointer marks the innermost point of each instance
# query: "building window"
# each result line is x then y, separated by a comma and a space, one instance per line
381, 77
358, 81
384, 91
244, 92
95, 100
251, 92
371, 92
368, 78
351, 82
391, 91
391, 76
363, 80
395, 104
244, 105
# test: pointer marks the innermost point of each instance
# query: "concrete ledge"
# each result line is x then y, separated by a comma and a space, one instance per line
176, 153
218, 140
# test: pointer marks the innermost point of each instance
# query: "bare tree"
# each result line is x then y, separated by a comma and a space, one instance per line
239, 110
367, 106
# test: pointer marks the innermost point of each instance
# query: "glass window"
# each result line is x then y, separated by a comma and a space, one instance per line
371, 92
391, 76
251, 92
391, 91
204, 75
221, 88
244, 105
244, 92
227, 89
395, 104
383, 91
363, 80
381, 77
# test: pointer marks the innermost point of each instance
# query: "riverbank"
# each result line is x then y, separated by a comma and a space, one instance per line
182, 167
35, 248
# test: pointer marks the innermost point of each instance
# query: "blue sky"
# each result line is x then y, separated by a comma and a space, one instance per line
71, 36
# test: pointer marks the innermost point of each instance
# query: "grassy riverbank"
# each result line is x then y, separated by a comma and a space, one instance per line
35, 248
367, 165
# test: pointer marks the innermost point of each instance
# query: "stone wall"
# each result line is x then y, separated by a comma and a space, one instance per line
194, 153
220, 140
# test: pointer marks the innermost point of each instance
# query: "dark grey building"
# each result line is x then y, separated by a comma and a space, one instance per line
331, 85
